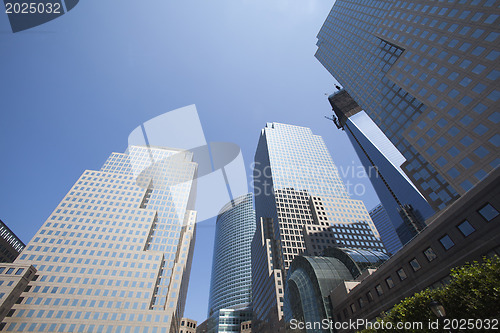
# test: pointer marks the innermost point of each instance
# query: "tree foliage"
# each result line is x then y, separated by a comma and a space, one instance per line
473, 293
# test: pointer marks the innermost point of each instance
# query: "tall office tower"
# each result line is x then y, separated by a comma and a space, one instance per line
231, 284
405, 205
10, 244
426, 72
298, 193
115, 255
379, 216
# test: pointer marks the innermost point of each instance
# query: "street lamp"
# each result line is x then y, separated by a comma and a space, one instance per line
437, 308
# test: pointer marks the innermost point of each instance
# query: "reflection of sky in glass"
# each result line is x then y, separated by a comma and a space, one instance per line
301, 160
366, 256
231, 280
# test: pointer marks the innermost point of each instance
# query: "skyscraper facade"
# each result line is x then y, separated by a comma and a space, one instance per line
379, 216
300, 199
10, 244
231, 282
426, 72
406, 207
339, 222
115, 254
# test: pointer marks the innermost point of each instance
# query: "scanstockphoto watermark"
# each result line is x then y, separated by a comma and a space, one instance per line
315, 175
360, 324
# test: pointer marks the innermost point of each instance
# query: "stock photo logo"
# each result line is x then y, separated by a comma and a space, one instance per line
26, 14
220, 175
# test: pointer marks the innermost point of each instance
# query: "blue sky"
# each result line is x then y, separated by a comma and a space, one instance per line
73, 89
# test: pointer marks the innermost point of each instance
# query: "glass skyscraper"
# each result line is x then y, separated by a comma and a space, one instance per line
115, 254
381, 219
406, 208
426, 72
231, 282
302, 207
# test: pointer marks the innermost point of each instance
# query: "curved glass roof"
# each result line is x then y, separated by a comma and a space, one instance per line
309, 282
357, 260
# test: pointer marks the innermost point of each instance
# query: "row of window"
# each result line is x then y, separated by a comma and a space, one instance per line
11, 270
188, 324
488, 212
7, 235
91, 304
93, 291
32, 327
93, 254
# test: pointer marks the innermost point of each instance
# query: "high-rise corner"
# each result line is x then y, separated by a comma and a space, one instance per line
302, 208
115, 254
230, 301
426, 72
405, 206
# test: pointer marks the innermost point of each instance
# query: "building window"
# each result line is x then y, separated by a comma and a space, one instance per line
353, 307
379, 290
454, 173
402, 274
441, 161
361, 302
466, 228
369, 296
415, 265
481, 152
430, 254
488, 212
466, 185
390, 282
446, 242
466, 140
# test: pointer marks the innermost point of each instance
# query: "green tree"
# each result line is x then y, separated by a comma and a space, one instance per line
473, 293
